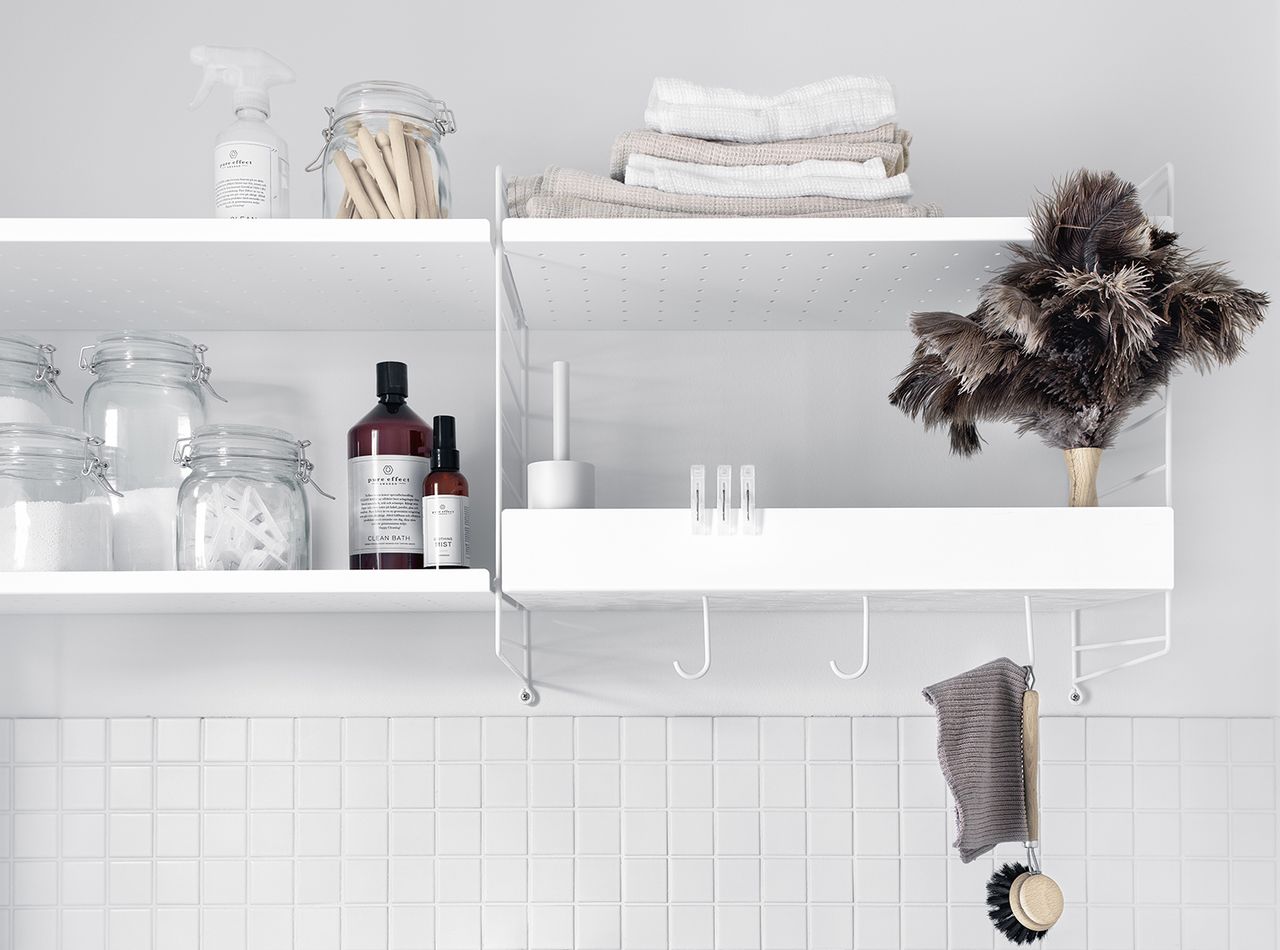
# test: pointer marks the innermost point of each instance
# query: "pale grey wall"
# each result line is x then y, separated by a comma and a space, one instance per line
1002, 96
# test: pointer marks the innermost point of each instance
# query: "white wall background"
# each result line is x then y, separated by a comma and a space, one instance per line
1002, 96
603, 833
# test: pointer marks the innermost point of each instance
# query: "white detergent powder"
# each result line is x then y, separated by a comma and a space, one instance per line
13, 409
56, 536
144, 529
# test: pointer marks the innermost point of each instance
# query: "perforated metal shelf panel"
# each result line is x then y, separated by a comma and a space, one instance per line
751, 274
74, 274
923, 601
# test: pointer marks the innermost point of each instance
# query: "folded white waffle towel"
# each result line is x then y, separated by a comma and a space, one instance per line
840, 104
860, 181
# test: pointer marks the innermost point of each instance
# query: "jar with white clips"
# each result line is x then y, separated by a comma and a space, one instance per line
54, 512
382, 156
244, 506
150, 389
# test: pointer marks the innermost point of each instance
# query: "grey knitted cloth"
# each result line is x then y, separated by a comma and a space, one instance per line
879, 143
980, 751
627, 201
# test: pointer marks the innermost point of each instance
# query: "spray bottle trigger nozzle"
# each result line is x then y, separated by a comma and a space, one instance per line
206, 86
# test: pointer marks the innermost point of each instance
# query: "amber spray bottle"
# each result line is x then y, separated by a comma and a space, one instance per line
446, 511
388, 453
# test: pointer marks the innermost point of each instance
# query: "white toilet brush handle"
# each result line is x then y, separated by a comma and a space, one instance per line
560, 411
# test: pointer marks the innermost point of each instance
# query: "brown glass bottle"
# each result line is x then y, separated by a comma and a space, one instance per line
446, 532
388, 453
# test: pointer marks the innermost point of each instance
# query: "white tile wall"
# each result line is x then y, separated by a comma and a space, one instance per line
552, 832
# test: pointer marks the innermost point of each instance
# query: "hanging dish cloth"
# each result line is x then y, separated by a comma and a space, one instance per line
840, 104
980, 751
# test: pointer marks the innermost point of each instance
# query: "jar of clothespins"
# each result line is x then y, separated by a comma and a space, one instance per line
382, 156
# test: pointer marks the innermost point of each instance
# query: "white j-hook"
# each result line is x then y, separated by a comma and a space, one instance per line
866, 644
706, 647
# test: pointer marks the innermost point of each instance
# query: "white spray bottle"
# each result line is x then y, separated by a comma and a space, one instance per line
250, 161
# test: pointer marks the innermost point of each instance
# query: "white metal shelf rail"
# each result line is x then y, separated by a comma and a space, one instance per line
511, 337
1160, 181
1163, 641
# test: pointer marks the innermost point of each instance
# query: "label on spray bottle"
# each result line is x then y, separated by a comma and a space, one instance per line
385, 511
447, 530
249, 181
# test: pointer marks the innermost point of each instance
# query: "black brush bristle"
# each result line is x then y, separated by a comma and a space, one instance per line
1001, 913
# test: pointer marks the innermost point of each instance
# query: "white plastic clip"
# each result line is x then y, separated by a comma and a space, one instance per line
698, 518
748, 523
724, 499
706, 646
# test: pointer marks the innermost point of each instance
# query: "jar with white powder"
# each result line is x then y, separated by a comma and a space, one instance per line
244, 506
28, 380
54, 509
150, 390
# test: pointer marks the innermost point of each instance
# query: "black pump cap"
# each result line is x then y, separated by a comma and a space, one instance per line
393, 380
444, 451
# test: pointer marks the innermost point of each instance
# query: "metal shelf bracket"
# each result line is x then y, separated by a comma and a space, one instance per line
1165, 641
511, 440
528, 695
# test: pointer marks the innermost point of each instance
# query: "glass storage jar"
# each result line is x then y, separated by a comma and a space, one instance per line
54, 514
28, 380
382, 156
150, 391
244, 506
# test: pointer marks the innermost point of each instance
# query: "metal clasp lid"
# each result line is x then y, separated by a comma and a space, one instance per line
200, 371
182, 452
48, 373
444, 124
327, 132
95, 468
306, 467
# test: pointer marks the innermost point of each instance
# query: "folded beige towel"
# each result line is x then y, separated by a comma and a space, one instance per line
583, 186
887, 142
859, 181
547, 206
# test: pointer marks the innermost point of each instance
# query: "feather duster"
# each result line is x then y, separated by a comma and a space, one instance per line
1082, 327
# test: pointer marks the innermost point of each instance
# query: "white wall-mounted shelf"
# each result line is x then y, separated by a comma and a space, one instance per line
751, 273
239, 592
978, 559
208, 274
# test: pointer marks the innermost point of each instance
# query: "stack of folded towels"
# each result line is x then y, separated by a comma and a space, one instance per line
830, 150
